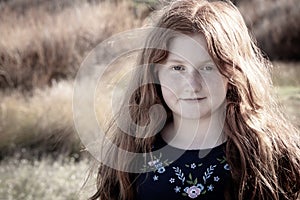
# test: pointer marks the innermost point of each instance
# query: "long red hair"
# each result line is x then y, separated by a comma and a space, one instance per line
262, 146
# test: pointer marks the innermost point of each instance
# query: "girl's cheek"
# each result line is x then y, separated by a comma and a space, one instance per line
169, 96
169, 90
171, 79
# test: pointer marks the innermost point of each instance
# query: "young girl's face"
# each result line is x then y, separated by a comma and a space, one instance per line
191, 83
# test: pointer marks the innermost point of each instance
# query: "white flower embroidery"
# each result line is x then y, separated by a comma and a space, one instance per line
216, 178
193, 165
152, 163
195, 187
210, 187
200, 186
209, 171
177, 189
172, 180
161, 170
186, 189
179, 174
226, 166
193, 192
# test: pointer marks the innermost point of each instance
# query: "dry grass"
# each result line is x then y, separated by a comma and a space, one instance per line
40, 46
42, 121
45, 179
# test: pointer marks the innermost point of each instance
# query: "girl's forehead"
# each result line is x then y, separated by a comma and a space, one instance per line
192, 48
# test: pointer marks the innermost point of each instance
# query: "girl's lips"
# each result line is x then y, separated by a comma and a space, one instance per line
194, 99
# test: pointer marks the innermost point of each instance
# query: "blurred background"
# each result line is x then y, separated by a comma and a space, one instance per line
42, 44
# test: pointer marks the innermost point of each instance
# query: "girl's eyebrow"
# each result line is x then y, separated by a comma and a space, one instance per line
176, 60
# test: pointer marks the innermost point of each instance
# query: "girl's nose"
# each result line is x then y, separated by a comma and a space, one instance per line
194, 81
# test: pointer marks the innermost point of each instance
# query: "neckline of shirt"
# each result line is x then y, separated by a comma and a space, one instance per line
162, 143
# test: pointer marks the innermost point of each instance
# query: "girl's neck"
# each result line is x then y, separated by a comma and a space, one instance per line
201, 133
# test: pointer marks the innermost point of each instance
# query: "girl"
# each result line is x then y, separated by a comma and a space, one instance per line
228, 135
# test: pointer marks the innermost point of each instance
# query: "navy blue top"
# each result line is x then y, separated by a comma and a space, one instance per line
174, 173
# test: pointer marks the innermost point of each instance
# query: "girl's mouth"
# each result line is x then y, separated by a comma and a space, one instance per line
194, 99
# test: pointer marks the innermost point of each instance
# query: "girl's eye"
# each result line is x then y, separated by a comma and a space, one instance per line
178, 68
207, 68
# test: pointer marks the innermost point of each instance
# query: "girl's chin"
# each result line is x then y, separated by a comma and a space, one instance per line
190, 115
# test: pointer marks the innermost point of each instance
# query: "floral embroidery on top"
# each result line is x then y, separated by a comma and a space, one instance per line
222, 160
209, 171
192, 185
193, 165
195, 188
179, 174
156, 165
193, 192
216, 178
177, 189
226, 166
172, 180
210, 187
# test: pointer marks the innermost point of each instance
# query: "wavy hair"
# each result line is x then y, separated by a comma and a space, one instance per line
262, 146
